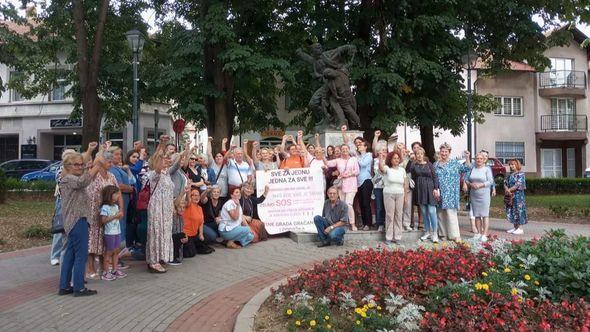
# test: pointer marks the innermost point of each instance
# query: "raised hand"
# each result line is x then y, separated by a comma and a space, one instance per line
223, 140
142, 154
317, 135
299, 133
377, 133
164, 138
255, 143
210, 139
92, 146
344, 128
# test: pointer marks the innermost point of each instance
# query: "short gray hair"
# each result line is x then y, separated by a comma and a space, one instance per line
445, 146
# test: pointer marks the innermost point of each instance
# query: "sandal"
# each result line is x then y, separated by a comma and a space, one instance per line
156, 268
232, 245
92, 276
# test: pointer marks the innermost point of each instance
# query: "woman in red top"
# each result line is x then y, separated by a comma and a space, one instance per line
194, 221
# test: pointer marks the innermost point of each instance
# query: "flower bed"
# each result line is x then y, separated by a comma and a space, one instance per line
539, 285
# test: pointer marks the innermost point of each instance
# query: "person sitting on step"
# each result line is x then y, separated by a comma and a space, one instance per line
331, 225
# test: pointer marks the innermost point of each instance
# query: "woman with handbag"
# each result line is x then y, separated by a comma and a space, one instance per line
514, 199
75, 209
426, 193
159, 248
346, 182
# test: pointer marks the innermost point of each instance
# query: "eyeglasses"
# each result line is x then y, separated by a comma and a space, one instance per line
193, 159
76, 165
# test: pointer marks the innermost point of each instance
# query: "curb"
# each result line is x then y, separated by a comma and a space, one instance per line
245, 319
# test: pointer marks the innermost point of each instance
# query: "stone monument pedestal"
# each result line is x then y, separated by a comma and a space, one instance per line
334, 137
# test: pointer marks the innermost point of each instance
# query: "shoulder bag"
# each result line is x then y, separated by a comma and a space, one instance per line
143, 199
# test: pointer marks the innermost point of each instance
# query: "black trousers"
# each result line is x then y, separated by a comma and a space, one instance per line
195, 246
365, 191
178, 246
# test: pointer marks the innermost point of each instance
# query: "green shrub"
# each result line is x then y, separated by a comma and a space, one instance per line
553, 186
3, 188
37, 231
563, 264
16, 184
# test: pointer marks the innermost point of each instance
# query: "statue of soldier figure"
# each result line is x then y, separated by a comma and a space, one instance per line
334, 98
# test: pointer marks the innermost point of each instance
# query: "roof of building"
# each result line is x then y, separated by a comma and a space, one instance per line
514, 65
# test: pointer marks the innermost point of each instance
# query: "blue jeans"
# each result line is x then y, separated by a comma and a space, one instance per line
75, 256
240, 234
210, 232
57, 246
336, 235
429, 217
379, 207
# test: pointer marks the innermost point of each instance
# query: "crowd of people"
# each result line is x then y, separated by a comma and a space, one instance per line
178, 204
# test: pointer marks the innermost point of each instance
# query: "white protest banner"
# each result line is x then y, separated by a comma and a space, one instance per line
295, 196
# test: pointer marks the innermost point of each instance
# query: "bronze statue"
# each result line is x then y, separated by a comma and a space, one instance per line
334, 98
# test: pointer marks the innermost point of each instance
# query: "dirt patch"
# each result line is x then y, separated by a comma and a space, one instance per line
267, 319
25, 221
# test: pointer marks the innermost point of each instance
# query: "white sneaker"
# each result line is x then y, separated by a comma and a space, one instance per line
484, 238
380, 228
435, 238
511, 230
477, 236
518, 231
55, 262
425, 237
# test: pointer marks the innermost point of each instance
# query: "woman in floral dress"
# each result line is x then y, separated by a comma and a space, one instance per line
159, 247
449, 175
95, 231
514, 186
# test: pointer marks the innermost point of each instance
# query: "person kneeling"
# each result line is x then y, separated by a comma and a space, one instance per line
232, 227
332, 224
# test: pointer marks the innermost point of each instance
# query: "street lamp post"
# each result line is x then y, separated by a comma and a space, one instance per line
136, 40
469, 103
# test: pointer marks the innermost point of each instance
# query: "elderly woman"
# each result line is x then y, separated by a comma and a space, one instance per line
449, 176
381, 151
348, 169
217, 164
96, 233
426, 193
127, 189
76, 210
232, 226
479, 181
159, 247
249, 204
514, 187
263, 158
394, 182
212, 203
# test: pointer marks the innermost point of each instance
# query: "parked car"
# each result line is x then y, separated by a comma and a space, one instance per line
46, 174
19, 167
587, 173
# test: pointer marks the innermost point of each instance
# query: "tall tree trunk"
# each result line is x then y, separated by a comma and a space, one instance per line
88, 69
427, 137
220, 110
363, 31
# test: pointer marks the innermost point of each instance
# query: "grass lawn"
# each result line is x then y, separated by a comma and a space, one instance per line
570, 208
25, 222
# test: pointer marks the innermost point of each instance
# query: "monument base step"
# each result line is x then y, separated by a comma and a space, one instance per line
368, 236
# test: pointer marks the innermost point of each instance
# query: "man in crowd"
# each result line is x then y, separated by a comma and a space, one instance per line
332, 223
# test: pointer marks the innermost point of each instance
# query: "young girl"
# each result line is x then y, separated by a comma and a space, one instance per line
109, 218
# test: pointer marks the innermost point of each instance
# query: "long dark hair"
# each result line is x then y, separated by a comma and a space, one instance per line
128, 156
107, 194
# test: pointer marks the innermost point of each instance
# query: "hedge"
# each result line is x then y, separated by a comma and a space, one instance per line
3, 188
13, 184
553, 186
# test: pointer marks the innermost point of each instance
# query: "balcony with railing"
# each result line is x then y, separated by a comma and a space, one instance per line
562, 83
563, 127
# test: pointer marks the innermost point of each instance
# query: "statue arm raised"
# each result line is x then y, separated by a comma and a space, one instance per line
304, 56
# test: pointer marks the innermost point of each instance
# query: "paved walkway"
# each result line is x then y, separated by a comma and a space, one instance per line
204, 294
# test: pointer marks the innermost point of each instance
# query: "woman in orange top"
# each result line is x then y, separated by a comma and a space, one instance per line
194, 220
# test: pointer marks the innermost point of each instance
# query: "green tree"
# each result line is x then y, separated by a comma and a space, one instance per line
80, 41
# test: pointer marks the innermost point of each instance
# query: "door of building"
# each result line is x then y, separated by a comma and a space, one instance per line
8, 147
551, 163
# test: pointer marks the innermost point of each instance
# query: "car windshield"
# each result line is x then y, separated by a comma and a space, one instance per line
53, 168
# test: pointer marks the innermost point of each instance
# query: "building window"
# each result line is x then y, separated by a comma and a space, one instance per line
59, 91
563, 113
510, 150
15, 95
510, 106
151, 141
62, 142
116, 138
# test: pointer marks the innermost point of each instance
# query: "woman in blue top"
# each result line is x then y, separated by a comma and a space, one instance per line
515, 185
134, 161
449, 175
480, 181
125, 186
365, 183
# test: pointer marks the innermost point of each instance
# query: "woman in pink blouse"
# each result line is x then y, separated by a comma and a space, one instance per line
348, 168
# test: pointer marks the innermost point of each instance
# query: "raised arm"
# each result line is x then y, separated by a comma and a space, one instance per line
283, 143
255, 152
210, 151
223, 146
87, 156
318, 144
376, 141
343, 129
